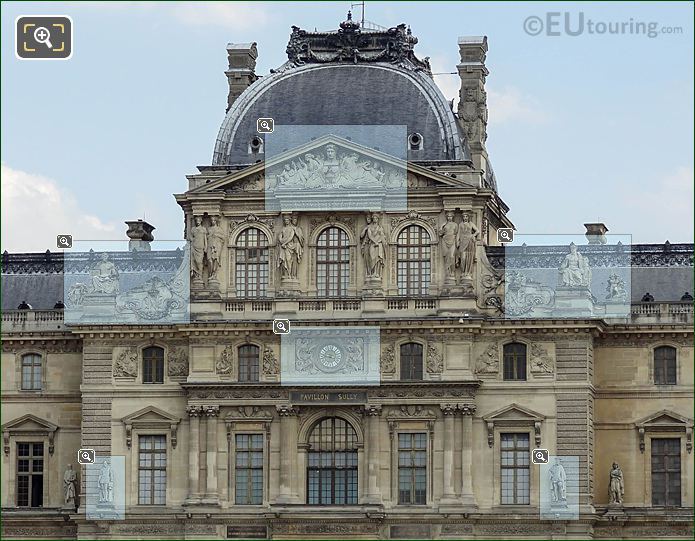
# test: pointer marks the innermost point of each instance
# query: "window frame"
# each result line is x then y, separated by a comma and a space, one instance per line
139, 468
255, 367
30, 473
249, 466
414, 468
515, 359
341, 264
667, 486
663, 370
411, 270
260, 263
527, 467
144, 360
41, 369
349, 480
402, 358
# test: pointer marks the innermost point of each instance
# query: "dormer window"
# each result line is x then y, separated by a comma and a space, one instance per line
415, 141
256, 145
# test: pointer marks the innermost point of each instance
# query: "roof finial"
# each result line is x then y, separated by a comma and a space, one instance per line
349, 15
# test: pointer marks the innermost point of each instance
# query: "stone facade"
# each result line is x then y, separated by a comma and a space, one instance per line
588, 389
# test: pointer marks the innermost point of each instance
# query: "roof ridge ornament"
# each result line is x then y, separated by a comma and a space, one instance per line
350, 43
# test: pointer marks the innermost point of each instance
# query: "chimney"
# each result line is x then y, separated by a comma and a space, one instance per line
472, 108
140, 235
242, 69
596, 233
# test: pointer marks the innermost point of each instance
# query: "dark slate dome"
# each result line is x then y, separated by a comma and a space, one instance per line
349, 77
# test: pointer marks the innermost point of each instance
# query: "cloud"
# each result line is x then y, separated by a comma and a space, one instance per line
668, 202
233, 15
35, 210
448, 80
510, 105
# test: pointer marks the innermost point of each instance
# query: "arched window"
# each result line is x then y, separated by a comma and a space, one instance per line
332, 466
32, 372
414, 261
153, 365
332, 263
665, 365
411, 361
252, 263
248, 362
514, 357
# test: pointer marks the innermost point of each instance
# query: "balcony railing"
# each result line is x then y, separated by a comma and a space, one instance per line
17, 320
672, 312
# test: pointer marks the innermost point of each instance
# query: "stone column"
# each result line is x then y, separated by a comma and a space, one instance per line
373, 450
194, 413
288, 452
467, 494
211, 495
449, 492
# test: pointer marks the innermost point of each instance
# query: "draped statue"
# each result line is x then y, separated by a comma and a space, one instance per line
373, 240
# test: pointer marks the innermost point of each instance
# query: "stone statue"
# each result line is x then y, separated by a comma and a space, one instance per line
105, 483
616, 487
373, 240
616, 288
104, 276
69, 486
216, 238
290, 249
467, 233
449, 232
199, 246
574, 270
558, 482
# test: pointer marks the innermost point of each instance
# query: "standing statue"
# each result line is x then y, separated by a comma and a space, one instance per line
373, 240
467, 233
199, 246
69, 486
105, 482
449, 232
104, 276
574, 270
215, 240
558, 482
290, 248
616, 487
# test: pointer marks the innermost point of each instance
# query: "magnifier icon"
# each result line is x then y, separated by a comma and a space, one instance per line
265, 125
504, 235
281, 326
42, 35
63, 242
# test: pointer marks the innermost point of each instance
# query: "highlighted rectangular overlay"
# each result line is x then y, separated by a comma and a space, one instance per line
330, 356
564, 276
105, 488
106, 283
559, 490
336, 168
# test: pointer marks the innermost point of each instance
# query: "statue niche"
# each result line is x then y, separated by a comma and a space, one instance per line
207, 239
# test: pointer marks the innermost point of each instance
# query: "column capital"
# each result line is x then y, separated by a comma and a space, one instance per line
448, 409
467, 409
194, 411
286, 410
211, 411
372, 410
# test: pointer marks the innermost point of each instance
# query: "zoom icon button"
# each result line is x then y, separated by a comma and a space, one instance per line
540, 456
86, 456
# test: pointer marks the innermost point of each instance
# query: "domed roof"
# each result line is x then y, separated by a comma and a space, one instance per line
349, 77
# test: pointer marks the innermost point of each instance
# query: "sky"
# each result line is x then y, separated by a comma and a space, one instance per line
582, 128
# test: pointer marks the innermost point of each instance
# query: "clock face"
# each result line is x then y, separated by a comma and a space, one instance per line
330, 356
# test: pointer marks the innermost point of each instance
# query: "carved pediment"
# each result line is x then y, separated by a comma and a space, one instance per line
664, 419
513, 413
329, 162
28, 425
150, 418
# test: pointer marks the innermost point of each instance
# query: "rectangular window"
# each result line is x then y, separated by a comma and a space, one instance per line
514, 469
152, 470
153, 365
31, 372
665, 365
29, 474
412, 468
666, 472
248, 469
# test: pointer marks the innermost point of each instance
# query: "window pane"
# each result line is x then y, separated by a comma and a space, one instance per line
152, 477
153, 365
514, 469
413, 261
251, 275
514, 365
249, 356
332, 463
412, 469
